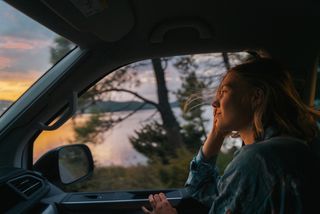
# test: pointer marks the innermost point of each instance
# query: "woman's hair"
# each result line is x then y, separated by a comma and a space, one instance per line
281, 105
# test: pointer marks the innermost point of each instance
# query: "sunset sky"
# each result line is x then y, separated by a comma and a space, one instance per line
24, 51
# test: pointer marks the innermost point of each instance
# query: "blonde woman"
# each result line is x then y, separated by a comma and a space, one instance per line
275, 171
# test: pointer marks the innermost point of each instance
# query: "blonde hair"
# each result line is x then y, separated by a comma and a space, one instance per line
281, 105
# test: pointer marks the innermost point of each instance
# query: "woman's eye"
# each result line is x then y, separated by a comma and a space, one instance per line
220, 93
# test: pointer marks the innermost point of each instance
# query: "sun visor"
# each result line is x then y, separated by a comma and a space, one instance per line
110, 20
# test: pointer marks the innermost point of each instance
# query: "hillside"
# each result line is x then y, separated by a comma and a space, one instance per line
103, 106
113, 106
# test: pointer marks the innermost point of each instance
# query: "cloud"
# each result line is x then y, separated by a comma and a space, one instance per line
22, 44
20, 56
12, 90
31, 75
14, 84
5, 62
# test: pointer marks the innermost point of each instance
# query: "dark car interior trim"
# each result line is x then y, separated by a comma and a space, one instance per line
130, 31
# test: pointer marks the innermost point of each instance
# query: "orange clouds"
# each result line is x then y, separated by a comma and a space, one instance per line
12, 90
8, 42
15, 45
14, 84
5, 62
20, 76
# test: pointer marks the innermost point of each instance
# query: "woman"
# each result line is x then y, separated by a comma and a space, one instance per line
275, 171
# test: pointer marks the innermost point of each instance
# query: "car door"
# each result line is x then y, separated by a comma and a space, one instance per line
122, 120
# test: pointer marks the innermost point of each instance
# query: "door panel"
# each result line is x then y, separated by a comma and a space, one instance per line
126, 202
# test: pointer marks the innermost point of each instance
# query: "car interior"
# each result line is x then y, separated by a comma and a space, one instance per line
112, 34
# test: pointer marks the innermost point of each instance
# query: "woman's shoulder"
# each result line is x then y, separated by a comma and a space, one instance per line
283, 144
274, 153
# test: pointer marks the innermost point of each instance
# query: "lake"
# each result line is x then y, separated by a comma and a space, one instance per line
116, 148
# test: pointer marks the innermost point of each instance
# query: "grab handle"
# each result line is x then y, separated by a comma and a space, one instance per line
158, 34
72, 108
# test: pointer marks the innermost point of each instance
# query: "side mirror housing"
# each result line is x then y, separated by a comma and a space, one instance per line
66, 164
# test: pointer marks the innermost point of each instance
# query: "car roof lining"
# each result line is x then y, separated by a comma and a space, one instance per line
246, 21
287, 30
117, 17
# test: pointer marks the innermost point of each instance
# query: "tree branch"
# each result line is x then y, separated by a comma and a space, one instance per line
133, 93
131, 113
151, 116
112, 123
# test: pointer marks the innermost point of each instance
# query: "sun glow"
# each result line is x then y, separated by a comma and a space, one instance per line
14, 84
13, 90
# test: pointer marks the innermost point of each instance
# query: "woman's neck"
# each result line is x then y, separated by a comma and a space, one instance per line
247, 135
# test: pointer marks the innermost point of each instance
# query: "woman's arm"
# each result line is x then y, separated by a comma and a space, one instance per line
203, 179
213, 144
245, 186
203, 175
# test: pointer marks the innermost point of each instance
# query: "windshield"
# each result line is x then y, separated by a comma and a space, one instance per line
27, 51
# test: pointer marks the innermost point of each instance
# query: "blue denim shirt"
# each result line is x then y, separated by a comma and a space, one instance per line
261, 178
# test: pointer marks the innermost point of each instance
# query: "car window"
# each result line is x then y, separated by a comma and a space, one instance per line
145, 121
27, 51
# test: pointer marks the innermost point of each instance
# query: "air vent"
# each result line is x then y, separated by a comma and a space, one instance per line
27, 185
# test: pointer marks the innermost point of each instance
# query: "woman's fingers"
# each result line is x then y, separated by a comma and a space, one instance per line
157, 198
162, 196
165, 201
145, 210
152, 201
159, 204
214, 117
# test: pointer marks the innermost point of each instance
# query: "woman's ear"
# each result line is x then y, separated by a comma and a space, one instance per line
257, 97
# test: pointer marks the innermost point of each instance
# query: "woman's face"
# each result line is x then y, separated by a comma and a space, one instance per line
233, 111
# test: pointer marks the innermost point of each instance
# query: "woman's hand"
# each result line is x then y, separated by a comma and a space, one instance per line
215, 139
216, 126
160, 205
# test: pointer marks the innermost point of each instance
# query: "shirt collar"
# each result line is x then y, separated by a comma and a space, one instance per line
268, 133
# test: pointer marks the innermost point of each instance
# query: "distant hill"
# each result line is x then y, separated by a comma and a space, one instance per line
104, 106
4, 104
113, 106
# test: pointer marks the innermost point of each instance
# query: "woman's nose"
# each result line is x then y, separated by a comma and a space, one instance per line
215, 103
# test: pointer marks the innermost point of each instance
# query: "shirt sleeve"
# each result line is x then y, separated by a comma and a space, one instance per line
202, 180
244, 187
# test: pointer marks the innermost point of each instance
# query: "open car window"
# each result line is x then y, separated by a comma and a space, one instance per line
145, 121
26, 53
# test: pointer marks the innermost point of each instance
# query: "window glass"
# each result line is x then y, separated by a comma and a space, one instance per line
144, 122
27, 50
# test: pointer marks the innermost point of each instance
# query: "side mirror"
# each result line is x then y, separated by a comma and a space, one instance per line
66, 164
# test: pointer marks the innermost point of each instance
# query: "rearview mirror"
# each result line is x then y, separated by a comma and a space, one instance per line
66, 164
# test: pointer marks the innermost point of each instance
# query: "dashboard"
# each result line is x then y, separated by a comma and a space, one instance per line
25, 191
21, 190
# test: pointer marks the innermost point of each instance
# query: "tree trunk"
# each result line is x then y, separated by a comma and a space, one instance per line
170, 123
226, 60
